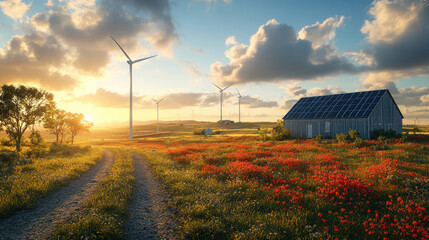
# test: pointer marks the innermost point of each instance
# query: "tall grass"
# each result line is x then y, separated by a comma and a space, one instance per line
106, 210
31, 181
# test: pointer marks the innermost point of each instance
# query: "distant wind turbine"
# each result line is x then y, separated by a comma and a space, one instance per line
221, 97
157, 112
131, 62
239, 98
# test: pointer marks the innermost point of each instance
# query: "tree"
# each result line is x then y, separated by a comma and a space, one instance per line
20, 108
55, 122
76, 124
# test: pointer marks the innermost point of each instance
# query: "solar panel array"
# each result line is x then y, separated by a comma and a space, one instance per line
347, 105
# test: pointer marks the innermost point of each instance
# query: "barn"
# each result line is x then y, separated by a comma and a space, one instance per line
338, 113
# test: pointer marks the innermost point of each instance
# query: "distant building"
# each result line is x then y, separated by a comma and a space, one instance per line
225, 122
334, 114
208, 131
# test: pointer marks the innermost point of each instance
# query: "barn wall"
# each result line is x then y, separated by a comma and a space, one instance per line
385, 115
337, 126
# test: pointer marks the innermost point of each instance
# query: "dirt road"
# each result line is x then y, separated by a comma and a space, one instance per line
68, 201
150, 216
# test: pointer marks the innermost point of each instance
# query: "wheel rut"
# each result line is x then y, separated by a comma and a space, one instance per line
57, 207
150, 216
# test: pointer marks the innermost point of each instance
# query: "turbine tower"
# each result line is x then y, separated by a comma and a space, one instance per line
157, 112
221, 97
131, 62
239, 98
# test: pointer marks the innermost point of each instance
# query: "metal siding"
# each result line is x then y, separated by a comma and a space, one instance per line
337, 126
385, 115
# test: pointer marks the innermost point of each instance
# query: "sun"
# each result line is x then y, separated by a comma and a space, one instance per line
88, 117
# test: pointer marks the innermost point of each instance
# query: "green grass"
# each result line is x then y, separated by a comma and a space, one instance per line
35, 178
239, 207
106, 210
209, 209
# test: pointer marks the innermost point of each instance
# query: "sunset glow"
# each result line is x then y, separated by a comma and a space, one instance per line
274, 53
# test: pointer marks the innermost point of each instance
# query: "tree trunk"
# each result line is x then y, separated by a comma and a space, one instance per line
72, 137
18, 144
57, 137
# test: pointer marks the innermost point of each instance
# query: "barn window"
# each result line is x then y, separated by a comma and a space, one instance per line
327, 127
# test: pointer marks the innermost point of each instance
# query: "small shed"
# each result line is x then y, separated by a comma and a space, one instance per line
208, 131
338, 113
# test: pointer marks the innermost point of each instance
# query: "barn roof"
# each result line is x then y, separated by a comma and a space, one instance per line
346, 105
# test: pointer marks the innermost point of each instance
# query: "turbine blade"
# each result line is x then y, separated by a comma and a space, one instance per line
162, 99
144, 59
227, 87
217, 86
238, 92
121, 49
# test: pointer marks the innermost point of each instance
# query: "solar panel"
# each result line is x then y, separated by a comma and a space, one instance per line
347, 105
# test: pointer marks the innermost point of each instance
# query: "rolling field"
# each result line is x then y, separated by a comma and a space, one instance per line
232, 185
238, 187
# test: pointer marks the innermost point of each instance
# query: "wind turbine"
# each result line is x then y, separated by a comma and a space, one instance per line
131, 62
221, 97
157, 112
239, 98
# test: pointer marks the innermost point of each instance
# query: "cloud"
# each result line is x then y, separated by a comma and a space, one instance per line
275, 53
230, 41
255, 102
35, 58
14, 9
289, 103
412, 96
320, 34
108, 99
297, 92
213, 1
398, 34
72, 38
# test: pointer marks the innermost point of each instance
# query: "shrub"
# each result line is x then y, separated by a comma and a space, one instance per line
358, 141
341, 137
318, 138
199, 132
8, 157
385, 133
354, 134
36, 139
265, 135
67, 150
415, 130
280, 134
37, 152
7, 142
382, 139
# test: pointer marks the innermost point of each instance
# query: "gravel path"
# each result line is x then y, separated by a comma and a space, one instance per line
150, 216
60, 206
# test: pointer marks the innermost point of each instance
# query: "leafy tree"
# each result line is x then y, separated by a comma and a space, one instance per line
36, 139
75, 124
55, 122
20, 108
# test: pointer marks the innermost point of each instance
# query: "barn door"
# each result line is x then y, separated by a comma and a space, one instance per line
309, 131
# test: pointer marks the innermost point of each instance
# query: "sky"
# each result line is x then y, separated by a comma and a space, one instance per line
274, 52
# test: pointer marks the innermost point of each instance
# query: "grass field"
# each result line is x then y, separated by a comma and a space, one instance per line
31, 178
232, 185
238, 187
